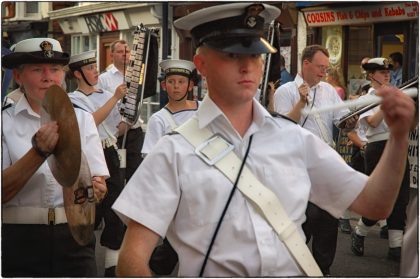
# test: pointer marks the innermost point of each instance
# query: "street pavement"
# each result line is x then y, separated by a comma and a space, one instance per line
374, 263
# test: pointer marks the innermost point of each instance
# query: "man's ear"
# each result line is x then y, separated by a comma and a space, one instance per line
16, 76
199, 62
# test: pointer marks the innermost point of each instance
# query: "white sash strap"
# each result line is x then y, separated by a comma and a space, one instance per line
170, 119
215, 150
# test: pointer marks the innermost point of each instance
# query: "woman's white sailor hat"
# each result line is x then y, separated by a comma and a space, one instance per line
378, 63
177, 67
234, 28
35, 51
79, 60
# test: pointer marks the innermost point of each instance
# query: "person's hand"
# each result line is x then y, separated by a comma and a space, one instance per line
349, 143
398, 110
351, 122
46, 138
303, 92
120, 91
99, 187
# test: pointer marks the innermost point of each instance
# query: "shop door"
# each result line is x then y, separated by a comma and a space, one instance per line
105, 41
392, 37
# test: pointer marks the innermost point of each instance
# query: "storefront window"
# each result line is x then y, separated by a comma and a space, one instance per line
82, 43
31, 8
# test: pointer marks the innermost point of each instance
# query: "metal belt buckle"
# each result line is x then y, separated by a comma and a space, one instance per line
51, 216
214, 149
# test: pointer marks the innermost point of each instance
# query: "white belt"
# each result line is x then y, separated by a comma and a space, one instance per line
215, 150
378, 137
33, 215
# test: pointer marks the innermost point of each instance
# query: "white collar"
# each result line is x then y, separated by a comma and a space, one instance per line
22, 105
209, 111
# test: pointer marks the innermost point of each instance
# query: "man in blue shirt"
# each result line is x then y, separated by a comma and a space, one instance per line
396, 73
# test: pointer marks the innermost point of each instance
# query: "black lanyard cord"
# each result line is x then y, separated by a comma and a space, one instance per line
225, 209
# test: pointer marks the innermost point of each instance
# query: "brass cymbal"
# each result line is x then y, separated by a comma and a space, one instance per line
65, 160
79, 204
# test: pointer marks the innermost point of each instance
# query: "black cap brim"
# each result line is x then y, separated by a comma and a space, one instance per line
15, 59
376, 67
247, 45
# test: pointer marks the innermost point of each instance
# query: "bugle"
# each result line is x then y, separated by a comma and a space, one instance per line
363, 104
274, 25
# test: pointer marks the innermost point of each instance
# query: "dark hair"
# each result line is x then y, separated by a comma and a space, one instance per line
309, 52
397, 57
112, 47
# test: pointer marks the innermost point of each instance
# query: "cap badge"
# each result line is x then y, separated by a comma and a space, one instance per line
386, 63
251, 14
47, 48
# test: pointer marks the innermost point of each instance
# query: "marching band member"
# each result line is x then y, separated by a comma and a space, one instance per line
38, 242
378, 134
103, 106
109, 81
308, 90
213, 226
178, 81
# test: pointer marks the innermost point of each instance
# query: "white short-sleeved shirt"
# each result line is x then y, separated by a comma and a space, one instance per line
93, 102
20, 123
372, 131
159, 125
175, 193
287, 95
110, 79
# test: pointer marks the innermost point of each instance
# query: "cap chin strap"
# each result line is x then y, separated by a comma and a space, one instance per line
182, 98
84, 77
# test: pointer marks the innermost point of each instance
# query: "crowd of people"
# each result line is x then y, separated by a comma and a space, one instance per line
222, 187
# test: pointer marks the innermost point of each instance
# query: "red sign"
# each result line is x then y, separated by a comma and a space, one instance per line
366, 14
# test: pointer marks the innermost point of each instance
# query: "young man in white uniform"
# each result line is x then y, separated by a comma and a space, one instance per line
186, 202
37, 245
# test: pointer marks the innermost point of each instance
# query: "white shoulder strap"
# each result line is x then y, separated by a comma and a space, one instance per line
215, 150
170, 119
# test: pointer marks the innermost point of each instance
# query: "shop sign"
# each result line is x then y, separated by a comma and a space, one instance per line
359, 15
103, 22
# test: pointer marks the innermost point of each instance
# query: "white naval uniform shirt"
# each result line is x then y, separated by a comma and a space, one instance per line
159, 125
287, 95
371, 131
20, 123
175, 193
92, 103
